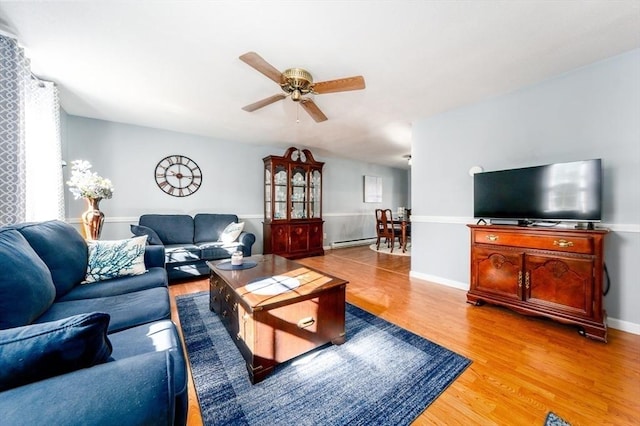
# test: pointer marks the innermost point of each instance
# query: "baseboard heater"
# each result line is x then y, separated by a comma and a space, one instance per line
352, 243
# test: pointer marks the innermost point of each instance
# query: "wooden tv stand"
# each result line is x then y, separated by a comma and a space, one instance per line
556, 273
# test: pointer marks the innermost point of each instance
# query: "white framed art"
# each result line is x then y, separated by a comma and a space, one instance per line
372, 189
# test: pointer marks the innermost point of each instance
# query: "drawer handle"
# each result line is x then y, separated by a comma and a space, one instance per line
235, 307
520, 279
492, 237
227, 297
306, 322
563, 243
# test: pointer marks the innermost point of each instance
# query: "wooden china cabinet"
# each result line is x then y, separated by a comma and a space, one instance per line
293, 223
555, 273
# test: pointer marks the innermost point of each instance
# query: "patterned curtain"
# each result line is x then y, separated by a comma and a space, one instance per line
31, 184
13, 75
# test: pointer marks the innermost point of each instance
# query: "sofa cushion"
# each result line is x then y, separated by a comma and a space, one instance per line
155, 277
231, 232
118, 258
67, 262
132, 391
171, 228
182, 253
217, 250
36, 352
209, 226
126, 310
152, 236
154, 337
26, 287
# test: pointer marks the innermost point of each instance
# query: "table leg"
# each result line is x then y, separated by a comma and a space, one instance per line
404, 236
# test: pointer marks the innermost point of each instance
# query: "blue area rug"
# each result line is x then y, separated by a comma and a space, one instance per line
382, 375
555, 420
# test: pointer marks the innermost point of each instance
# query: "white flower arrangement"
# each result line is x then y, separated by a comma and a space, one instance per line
87, 184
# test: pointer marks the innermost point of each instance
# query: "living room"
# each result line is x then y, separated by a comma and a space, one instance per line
580, 114
589, 110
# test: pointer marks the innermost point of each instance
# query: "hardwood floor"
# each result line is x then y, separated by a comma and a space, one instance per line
523, 367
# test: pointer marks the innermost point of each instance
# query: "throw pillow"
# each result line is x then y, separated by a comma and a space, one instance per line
39, 351
231, 232
62, 249
152, 236
111, 259
26, 286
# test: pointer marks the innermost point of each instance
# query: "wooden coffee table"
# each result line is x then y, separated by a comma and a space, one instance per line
277, 310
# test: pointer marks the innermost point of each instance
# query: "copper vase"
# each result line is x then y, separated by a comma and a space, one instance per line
92, 219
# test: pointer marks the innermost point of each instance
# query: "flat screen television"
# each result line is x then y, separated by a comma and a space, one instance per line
550, 193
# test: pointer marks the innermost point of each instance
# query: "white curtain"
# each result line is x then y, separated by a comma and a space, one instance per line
31, 186
45, 189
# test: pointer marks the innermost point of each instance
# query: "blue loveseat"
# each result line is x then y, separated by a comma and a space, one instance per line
189, 242
75, 353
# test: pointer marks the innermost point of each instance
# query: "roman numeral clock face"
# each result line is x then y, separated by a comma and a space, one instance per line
178, 175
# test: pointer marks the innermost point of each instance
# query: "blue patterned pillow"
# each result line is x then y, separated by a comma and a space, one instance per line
111, 259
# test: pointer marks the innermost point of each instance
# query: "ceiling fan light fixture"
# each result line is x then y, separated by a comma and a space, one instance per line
297, 79
296, 95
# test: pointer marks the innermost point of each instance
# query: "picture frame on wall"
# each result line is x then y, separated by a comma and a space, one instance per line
372, 189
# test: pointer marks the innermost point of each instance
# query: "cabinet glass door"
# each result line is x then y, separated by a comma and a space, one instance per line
315, 194
267, 193
298, 192
280, 192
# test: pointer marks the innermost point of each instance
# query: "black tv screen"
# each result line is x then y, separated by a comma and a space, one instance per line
554, 192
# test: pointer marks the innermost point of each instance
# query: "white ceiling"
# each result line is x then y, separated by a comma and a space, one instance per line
174, 64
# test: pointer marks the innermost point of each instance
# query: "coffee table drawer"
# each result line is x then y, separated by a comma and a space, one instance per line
288, 331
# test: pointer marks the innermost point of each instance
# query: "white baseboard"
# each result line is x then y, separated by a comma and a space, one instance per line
614, 323
439, 280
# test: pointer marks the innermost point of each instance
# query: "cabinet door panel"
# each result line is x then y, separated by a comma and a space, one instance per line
316, 236
564, 283
299, 238
279, 239
497, 272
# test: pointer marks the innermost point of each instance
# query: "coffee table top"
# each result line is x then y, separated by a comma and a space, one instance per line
275, 281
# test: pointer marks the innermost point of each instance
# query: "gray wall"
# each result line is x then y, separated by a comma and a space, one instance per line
232, 179
592, 112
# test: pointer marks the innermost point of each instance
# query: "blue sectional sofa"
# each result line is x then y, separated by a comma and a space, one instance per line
189, 242
104, 352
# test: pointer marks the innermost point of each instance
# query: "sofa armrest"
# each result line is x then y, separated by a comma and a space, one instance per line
247, 239
136, 390
154, 256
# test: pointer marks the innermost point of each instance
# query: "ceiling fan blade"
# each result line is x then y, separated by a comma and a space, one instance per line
313, 110
339, 85
256, 61
266, 101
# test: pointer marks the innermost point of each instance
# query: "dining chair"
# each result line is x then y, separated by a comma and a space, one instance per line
386, 229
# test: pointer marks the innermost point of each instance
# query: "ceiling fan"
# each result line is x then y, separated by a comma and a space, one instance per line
297, 83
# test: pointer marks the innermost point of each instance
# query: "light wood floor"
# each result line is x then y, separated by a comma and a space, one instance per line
523, 367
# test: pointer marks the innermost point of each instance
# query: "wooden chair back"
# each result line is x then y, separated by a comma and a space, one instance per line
385, 228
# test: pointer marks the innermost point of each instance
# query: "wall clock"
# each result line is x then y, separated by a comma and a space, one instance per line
178, 175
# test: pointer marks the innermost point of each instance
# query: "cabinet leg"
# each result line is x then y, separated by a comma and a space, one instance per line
594, 333
474, 300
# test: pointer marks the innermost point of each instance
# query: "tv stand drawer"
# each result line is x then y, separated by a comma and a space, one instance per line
558, 242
